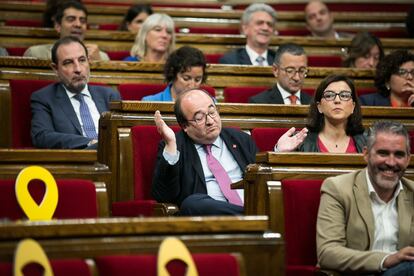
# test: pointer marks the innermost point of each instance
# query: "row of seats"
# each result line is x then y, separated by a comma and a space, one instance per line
21, 91
313, 60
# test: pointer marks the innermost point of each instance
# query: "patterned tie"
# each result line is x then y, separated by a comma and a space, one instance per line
260, 60
293, 99
222, 178
86, 118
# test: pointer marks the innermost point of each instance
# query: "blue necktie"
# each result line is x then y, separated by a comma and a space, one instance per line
260, 60
86, 118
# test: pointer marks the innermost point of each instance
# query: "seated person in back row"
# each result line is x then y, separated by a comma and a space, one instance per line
290, 69
196, 166
258, 25
184, 69
70, 20
394, 80
334, 121
65, 115
365, 218
320, 21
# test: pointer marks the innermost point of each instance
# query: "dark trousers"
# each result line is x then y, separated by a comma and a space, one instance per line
402, 269
204, 205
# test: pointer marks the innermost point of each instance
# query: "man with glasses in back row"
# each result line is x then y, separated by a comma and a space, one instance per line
196, 166
290, 69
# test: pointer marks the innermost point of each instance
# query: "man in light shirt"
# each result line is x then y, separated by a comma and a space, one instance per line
258, 25
196, 166
65, 114
289, 68
71, 19
365, 218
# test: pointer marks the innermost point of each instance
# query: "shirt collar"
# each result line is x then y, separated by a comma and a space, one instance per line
217, 143
286, 94
253, 55
373, 194
85, 92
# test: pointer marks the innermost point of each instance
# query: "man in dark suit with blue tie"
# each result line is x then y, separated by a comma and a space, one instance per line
196, 166
65, 114
258, 25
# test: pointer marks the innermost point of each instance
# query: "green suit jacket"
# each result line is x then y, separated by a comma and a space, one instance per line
346, 227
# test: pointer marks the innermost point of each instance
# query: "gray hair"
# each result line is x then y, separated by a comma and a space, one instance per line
157, 19
291, 48
389, 127
256, 7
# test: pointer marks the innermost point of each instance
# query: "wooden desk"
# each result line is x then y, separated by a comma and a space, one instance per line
115, 142
263, 251
76, 164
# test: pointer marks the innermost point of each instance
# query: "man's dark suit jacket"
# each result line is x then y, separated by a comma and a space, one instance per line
240, 56
173, 183
375, 99
54, 121
273, 96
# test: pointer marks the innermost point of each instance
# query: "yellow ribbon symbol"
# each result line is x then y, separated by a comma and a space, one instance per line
46, 209
29, 251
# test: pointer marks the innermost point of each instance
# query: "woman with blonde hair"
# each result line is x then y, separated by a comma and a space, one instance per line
155, 40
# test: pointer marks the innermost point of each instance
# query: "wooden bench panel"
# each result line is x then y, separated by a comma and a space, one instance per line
63, 164
262, 180
262, 251
114, 134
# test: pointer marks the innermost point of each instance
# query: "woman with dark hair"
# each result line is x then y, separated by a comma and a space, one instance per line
334, 121
134, 18
365, 51
394, 81
184, 69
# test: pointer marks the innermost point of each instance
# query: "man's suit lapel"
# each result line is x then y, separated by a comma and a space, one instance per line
233, 148
364, 203
98, 99
405, 207
276, 97
244, 57
64, 102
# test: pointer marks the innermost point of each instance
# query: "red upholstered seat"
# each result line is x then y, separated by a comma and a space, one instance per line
108, 27
266, 138
213, 58
77, 199
217, 264
23, 23
63, 267
145, 140
136, 91
21, 114
301, 203
16, 51
241, 94
117, 55
324, 61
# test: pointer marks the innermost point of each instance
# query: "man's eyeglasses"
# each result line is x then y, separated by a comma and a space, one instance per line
404, 73
331, 95
291, 71
201, 118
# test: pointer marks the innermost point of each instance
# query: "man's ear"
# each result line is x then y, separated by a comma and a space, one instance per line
57, 27
54, 67
365, 153
275, 70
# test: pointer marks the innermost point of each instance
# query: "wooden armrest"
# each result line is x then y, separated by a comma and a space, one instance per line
238, 184
165, 209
